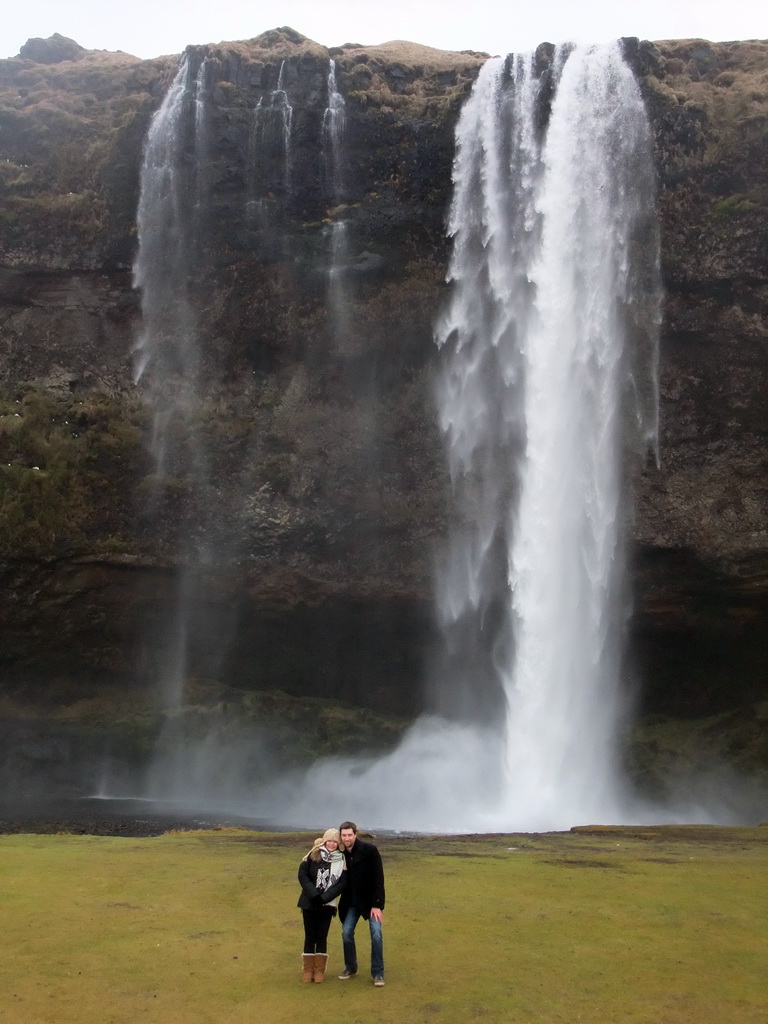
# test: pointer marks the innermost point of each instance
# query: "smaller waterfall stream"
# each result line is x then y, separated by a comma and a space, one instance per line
270, 146
171, 208
334, 122
162, 265
169, 370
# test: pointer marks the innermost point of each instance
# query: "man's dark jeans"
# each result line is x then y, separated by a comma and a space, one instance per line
353, 915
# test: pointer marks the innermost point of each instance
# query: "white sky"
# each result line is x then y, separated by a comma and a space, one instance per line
148, 28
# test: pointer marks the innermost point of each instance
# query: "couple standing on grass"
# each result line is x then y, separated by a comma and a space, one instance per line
340, 868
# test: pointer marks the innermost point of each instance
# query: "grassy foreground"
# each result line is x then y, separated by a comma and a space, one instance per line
605, 926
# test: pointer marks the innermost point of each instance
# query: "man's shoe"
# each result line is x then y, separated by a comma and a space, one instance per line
346, 974
378, 981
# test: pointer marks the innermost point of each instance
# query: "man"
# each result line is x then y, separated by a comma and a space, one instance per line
362, 897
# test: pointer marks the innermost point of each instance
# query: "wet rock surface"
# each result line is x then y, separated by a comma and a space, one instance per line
98, 817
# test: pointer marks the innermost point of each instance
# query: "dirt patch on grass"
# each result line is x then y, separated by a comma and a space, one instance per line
569, 862
677, 833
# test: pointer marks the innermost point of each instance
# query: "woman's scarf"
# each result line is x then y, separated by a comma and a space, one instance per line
330, 868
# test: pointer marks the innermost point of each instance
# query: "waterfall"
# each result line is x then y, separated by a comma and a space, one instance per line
169, 370
539, 403
334, 121
566, 558
338, 304
171, 206
271, 144
284, 117
162, 264
547, 387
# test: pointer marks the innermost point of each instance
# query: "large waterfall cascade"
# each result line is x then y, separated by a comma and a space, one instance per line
540, 398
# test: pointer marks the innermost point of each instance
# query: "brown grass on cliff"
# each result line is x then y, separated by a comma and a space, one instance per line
421, 58
727, 82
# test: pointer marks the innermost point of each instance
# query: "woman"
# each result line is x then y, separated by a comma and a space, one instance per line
322, 876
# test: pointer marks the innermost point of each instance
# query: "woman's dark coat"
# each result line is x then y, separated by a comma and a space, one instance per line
311, 898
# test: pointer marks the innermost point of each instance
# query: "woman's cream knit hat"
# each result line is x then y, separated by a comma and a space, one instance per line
329, 834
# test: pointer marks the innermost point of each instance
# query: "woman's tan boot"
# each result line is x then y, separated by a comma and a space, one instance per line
308, 966
321, 962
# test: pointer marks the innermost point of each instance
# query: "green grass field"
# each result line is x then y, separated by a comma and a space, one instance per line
605, 926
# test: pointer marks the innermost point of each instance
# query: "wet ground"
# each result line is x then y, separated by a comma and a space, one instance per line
98, 816
109, 817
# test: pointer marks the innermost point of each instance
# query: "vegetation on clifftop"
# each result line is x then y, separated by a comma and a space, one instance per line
709, 103
68, 169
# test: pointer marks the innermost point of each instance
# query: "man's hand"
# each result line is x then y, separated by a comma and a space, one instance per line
375, 913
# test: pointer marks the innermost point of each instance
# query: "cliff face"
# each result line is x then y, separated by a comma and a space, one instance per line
701, 519
327, 496
326, 492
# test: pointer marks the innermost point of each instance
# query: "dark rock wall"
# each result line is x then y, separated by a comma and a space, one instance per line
328, 496
701, 518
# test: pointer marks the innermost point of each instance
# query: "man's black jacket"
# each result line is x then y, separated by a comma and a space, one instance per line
365, 880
